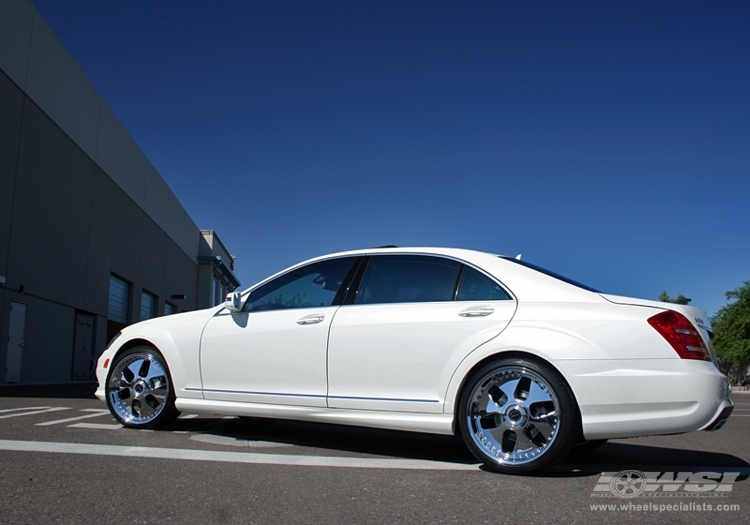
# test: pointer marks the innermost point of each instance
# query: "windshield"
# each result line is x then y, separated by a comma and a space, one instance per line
549, 273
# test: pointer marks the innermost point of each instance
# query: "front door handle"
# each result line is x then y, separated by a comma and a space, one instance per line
312, 319
478, 311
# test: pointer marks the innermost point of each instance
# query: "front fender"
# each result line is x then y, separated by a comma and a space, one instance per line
177, 337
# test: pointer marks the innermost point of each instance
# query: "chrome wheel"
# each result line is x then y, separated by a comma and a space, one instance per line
513, 414
139, 393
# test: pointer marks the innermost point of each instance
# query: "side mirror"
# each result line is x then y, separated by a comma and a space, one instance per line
233, 302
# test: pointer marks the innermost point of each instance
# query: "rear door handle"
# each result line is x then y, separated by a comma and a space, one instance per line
312, 319
477, 311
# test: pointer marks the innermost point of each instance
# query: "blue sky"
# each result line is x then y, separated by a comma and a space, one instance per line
607, 141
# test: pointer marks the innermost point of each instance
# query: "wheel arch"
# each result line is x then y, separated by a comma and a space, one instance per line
454, 408
134, 343
162, 343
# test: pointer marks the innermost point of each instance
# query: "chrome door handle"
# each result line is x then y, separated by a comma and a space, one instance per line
311, 319
479, 311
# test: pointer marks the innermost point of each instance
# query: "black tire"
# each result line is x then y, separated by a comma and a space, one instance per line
517, 415
139, 389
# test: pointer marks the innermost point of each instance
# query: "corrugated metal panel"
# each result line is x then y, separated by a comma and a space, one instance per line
148, 305
119, 299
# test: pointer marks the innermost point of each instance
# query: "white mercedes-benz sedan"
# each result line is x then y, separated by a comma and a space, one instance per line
521, 362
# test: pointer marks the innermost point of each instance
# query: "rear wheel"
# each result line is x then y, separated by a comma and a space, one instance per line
517, 415
139, 389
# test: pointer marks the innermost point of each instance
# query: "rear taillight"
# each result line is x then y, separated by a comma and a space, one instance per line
681, 334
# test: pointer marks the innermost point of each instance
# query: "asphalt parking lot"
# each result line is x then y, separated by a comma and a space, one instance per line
67, 461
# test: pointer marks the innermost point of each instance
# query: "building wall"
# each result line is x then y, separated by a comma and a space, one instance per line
79, 202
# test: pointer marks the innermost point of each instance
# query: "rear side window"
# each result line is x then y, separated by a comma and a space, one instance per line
549, 273
476, 286
408, 279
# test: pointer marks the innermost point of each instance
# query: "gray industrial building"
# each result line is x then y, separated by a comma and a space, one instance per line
91, 237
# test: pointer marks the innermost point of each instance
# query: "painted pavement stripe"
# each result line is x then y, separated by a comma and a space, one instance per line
229, 457
97, 426
68, 420
22, 408
34, 412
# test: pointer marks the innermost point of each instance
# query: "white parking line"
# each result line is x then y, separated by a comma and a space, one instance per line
23, 408
230, 457
188, 416
97, 426
34, 411
68, 420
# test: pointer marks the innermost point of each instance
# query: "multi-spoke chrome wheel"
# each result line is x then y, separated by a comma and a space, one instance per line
139, 391
516, 416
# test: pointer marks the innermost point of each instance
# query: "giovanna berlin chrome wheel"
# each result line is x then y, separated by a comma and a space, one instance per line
517, 416
139, 390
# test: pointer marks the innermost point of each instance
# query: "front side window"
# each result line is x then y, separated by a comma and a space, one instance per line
475, 286
408, 279
309, 286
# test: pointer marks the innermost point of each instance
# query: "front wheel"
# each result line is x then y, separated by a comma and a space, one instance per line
139, 389
517, 415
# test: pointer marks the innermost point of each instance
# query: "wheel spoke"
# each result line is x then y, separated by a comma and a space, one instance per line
534, 434
537, 394
129, 401
508, 389
523, 443
158, 388
146, 410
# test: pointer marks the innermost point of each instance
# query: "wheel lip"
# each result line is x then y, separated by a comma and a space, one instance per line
482, 384
120, 410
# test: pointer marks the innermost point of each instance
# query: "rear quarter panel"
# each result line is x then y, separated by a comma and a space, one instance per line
567, 332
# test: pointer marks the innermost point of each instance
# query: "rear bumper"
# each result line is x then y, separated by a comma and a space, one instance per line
721, 418
631, 398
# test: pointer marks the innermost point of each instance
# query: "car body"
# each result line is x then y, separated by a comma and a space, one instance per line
523, 363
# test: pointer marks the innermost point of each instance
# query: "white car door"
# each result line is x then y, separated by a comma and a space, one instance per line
274, 351
396, 348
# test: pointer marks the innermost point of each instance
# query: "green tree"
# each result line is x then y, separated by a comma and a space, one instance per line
680, 299
732, 329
